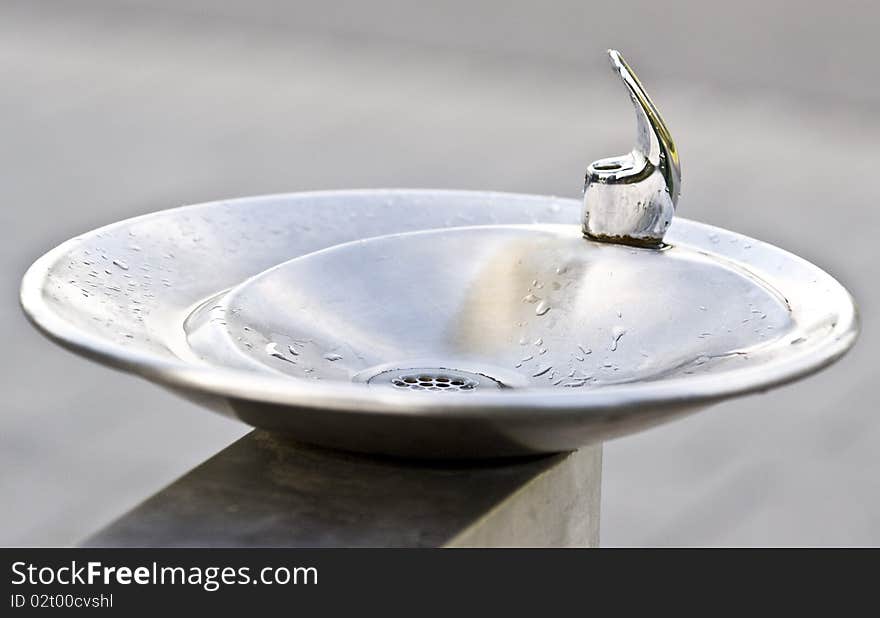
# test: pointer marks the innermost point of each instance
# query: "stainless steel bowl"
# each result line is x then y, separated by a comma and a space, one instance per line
545, 341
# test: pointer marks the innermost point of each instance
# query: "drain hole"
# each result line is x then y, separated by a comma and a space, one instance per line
439, 380
435, 382
432, 382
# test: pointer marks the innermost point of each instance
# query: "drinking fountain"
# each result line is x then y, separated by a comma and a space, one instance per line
448, 324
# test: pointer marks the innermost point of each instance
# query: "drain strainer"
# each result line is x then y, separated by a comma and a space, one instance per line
440, 380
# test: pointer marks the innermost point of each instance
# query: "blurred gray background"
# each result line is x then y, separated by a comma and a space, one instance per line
113, 108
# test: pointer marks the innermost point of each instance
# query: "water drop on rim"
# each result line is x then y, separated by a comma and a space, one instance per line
272, 350
617, 333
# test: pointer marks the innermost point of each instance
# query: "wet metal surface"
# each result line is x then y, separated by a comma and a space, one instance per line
713, 316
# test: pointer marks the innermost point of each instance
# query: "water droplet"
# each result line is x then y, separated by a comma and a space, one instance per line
539, 341
584, 350
542, 308
272, 350
332, 357
561, 270
542, 371
530, 298
617, 333
120, 264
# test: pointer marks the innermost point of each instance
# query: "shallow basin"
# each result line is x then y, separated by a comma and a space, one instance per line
436, 324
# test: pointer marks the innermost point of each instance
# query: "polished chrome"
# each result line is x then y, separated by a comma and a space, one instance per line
227, 304
630, 199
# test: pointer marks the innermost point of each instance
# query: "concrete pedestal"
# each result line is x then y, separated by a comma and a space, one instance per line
265, 491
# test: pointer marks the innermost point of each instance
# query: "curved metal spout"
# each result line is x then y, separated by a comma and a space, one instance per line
631, 199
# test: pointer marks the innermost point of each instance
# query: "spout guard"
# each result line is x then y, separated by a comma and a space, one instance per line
630, 199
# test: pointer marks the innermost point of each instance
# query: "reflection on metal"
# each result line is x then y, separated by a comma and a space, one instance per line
590, 340
631, 198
